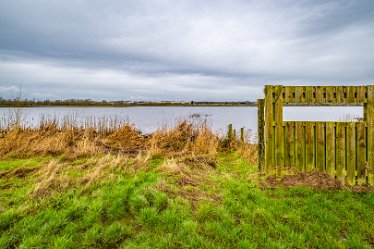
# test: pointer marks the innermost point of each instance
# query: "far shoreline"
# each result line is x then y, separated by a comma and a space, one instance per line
115, 104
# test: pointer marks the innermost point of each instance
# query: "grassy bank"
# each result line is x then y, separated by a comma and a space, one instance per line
78, 189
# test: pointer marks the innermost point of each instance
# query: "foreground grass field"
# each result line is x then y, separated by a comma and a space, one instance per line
107, 185
116, 201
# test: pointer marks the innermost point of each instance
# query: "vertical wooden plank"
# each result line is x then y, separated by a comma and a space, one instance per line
319, 94
269, 134
309, 94
361, 153
351, 152
299, 146
351, 94
361, 92
330, 90
370, 139
340, 150
289, 94
290, 144
313, 94
309, 145
286, 144
345, 95
260, 132
340, 94
304, 93
279, 146
299, 94
320, 146
330, 148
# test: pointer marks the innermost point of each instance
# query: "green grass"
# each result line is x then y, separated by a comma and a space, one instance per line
21, 163
151, 208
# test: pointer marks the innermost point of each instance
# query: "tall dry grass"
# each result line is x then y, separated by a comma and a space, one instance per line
73, 140
189, 151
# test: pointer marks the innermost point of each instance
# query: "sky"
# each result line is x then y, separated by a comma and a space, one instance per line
181, 50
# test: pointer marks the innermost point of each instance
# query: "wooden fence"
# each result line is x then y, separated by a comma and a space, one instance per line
343, 149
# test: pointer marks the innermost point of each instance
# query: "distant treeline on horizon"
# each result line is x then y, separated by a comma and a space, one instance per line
89, 102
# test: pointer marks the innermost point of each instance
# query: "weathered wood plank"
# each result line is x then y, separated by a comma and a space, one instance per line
345, 91
340, 150
351, 94
370, 139
279, 146
361, 92
361, 153
309, 94
290, 144
330, 148
299, 146
340, 94
330, 90
309, 145
260, 132
269, 131
286, 145
351, 153
289, 94
299, 90
319, 94
320, 146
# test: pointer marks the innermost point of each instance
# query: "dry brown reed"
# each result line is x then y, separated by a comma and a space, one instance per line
73, 141
120, 147
183, 138
189, 151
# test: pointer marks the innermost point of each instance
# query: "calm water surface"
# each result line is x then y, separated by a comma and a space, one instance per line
148, 119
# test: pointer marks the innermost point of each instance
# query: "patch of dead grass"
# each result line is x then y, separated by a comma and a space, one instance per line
189, 176
319, 180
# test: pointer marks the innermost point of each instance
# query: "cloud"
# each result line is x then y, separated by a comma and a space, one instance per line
182, 50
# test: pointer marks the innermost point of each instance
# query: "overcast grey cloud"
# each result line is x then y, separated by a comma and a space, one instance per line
181, 50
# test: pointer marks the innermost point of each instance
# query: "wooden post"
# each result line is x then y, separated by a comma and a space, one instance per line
370, 139
269, 129
229, 135
279, 131
242, 135
260, 132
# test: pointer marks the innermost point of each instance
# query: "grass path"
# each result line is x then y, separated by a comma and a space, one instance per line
113, 202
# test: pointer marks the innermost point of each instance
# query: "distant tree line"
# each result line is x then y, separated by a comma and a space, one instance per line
88, 102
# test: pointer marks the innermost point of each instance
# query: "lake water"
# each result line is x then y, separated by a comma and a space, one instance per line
148, 119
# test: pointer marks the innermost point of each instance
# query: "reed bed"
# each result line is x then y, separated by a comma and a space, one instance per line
71, 138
